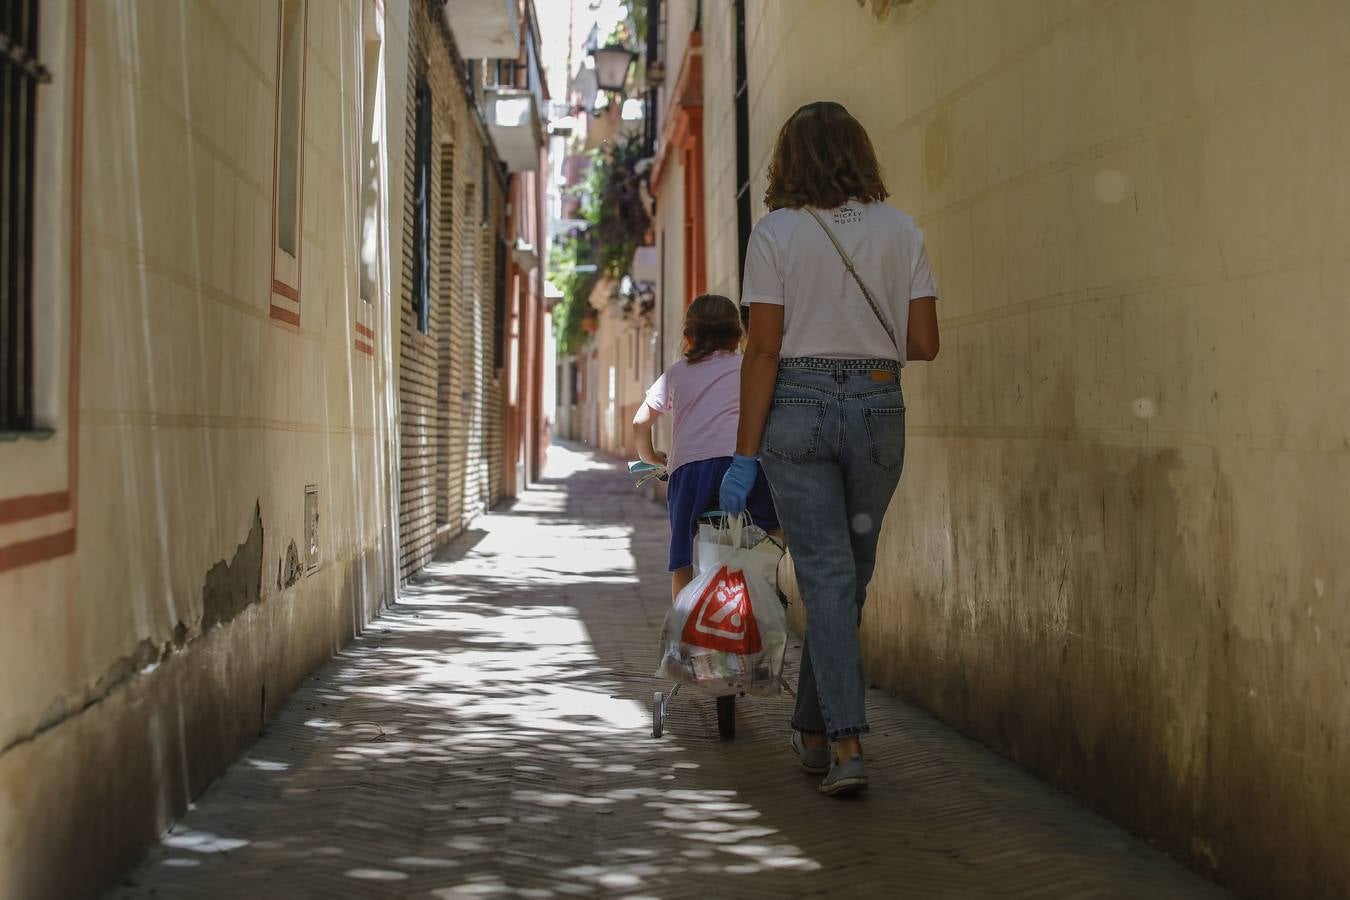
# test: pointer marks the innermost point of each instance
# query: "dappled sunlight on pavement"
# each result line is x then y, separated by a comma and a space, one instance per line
490, 736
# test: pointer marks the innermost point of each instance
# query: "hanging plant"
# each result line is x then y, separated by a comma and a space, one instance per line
612, 204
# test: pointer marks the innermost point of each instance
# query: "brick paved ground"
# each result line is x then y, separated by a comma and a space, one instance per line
489, 737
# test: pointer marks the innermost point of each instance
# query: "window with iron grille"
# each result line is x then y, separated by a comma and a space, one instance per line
20, 75
421, 274
655, 37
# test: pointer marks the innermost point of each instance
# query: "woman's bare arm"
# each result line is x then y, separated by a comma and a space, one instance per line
642, 433
759, 372
921, 340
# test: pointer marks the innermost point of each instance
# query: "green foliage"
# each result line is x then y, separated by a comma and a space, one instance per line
612, 205
576, 288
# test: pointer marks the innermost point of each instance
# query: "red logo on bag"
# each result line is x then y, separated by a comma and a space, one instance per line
722, 619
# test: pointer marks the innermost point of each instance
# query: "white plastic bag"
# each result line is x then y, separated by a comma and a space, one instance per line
727, 631
768, 552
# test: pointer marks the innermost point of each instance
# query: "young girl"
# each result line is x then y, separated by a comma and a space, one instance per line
703, 390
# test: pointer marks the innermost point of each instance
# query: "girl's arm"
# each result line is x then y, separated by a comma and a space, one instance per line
642, 433
759, 373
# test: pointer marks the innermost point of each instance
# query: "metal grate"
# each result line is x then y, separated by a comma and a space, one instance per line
20, 75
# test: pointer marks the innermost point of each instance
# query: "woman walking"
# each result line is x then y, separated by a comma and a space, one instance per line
841, 296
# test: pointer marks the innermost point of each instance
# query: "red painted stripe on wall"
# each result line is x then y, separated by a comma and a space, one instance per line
32, 506
285, 315
37, 550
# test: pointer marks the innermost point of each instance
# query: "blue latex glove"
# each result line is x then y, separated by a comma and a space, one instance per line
736, 484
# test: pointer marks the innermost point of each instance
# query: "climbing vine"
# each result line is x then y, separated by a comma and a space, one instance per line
617, 224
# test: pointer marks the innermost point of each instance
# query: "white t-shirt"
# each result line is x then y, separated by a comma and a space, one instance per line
791, 262
706, 398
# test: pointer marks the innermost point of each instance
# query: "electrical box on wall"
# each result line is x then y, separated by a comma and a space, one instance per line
312, 527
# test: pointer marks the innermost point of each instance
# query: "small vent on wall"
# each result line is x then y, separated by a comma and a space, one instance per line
312, 527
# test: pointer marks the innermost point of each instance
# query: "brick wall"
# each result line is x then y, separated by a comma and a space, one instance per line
450, 395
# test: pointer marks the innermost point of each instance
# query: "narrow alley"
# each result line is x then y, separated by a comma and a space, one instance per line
490, 737
326, 327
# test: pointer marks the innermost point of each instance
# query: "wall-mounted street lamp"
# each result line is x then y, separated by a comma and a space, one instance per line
611, 67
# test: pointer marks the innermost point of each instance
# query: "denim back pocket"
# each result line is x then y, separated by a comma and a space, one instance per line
886, 433
793, 429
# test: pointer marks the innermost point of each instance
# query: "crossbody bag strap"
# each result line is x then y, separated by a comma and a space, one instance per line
848, 264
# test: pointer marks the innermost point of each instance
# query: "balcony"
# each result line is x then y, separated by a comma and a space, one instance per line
515, 125
484, 29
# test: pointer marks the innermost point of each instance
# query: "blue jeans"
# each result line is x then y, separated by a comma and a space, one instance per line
834, 445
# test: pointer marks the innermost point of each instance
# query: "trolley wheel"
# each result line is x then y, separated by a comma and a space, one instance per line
726, 716
658, 714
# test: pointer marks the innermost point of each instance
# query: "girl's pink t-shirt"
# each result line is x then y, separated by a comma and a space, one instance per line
706, 398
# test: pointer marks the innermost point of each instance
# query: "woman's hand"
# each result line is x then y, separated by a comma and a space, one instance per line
737, 484
653, 457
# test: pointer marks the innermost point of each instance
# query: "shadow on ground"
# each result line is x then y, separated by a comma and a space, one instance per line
490, 737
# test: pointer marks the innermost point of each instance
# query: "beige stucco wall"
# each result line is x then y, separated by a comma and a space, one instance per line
133, 670
1117, 554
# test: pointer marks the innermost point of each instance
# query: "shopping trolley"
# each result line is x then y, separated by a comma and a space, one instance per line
726, 705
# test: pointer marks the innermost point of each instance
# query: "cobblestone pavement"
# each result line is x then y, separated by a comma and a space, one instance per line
490, 737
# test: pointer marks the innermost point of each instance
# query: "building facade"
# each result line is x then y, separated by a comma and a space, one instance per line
227, 435
1123, 472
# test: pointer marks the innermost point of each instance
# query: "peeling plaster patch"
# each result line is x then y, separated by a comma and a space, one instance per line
293, 568
231, 587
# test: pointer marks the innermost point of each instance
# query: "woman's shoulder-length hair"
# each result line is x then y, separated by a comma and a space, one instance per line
823, 158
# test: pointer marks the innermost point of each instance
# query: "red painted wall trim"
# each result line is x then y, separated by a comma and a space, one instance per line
285, 290
32, 506
27, 553
687, 94
285, 315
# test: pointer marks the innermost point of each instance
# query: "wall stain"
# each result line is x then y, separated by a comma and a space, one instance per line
1094, 630
147, 655
937, 149
231, 587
